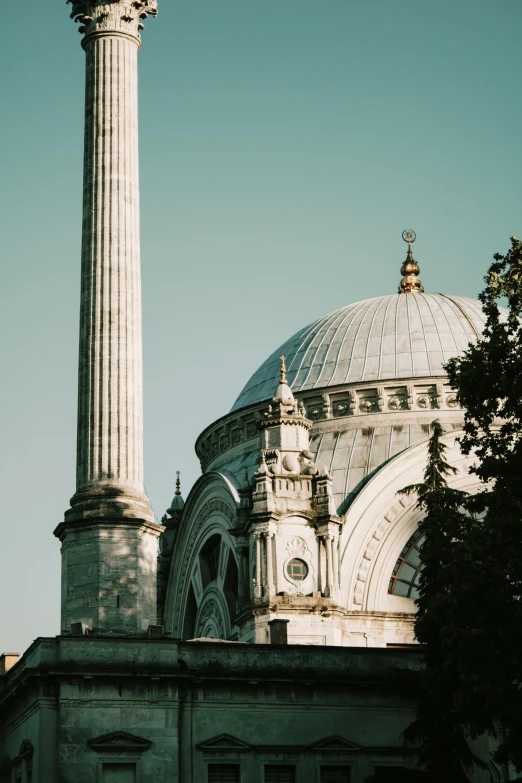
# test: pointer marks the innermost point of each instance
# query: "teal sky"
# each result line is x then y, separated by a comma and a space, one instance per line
284, 148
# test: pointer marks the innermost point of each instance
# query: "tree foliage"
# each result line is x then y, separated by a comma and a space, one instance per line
470, 605
439, 729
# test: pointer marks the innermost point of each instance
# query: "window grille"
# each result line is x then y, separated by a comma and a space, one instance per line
223, 773
279, 773
331, 774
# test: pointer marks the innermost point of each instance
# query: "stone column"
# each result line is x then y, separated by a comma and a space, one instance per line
110, 519
269, 565
337, 575
329, 565
257, 588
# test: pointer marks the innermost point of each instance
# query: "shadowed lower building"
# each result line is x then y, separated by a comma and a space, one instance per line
263, 633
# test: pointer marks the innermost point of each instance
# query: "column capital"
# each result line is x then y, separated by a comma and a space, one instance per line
112, 16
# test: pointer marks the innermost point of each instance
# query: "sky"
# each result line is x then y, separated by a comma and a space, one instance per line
284, 147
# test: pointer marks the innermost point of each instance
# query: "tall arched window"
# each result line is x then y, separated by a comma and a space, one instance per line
405, 576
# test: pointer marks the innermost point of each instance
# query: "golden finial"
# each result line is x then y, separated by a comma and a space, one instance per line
178, 483
411, 282
283, 370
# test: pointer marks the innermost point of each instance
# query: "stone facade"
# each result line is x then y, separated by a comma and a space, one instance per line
102, 709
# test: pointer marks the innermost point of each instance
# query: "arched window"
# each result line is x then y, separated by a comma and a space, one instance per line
209, 559
405, 576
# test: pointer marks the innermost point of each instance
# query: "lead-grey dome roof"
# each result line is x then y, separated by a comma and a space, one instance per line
396, 336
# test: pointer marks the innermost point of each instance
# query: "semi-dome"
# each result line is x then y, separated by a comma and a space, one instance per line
387, 337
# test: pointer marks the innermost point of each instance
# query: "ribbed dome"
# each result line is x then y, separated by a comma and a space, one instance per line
397, 336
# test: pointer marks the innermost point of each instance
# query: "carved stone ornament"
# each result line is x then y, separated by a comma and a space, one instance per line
290, 463
296, 547
307, 466
124, 16
367, 405
424, 401
396, 403
451, 401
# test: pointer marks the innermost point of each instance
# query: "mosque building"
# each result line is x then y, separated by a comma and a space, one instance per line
296, 515
263, 632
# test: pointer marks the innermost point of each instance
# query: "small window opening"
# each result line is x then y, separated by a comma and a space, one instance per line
297, 569
335, 774
223, 773
279, 773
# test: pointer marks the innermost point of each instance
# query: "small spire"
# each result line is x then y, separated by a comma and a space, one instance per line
177, 501
284, 393
283, 370
263, 468
411, 282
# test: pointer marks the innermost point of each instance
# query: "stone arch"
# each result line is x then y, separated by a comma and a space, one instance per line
210, 510
380, 522
212, 618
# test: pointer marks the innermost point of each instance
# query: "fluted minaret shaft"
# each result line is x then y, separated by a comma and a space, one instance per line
110, 428
110, 408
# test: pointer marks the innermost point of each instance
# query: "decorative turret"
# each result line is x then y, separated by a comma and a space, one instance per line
285, 438
411, 282
171, 522
291, 529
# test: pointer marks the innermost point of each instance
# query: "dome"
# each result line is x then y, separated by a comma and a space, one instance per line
388, 337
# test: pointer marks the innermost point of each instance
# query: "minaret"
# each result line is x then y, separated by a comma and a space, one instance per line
109, 537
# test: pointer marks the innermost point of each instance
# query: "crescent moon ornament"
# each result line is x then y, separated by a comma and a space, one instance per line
409, 236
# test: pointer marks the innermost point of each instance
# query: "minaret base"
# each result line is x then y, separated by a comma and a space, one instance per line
109, 573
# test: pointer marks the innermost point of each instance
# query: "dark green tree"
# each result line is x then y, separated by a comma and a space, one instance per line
470, 597
488, 382
439, 729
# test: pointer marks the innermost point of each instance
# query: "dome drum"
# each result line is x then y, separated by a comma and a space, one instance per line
360, 404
